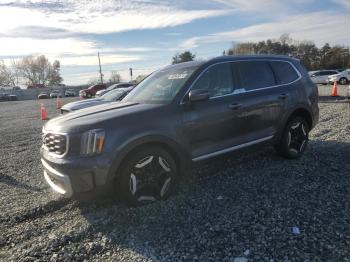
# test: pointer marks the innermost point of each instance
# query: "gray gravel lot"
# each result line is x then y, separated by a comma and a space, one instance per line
236, 207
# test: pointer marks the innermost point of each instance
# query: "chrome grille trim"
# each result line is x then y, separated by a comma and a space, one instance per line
57, 144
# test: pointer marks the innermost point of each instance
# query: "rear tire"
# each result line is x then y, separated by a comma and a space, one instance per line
147, 175
294, 139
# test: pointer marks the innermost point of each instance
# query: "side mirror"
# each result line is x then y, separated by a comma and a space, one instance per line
198, 95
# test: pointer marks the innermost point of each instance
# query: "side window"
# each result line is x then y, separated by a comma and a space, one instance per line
284, 72
254, 74
217, 80
327, 73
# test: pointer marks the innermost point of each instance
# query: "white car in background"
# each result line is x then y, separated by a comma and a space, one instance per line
112, 87
321, 76
342, 78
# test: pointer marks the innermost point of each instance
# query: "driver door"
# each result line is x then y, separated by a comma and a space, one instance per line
208, 126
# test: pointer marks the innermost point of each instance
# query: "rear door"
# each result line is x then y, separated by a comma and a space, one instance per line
261, 97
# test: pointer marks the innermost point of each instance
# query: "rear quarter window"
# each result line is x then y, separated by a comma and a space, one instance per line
284, 72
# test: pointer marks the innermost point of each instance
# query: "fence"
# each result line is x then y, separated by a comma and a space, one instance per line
30, 94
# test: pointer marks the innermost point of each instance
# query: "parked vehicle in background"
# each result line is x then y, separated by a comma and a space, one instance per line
340, 70
3, 97
7, 97
43, 95
12, 98
55, 94
112, 96
69, 93
36, 86
341, 78
112, 87
180, 114
91, 91
321, 76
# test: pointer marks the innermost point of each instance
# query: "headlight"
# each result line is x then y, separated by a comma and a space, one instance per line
92, 142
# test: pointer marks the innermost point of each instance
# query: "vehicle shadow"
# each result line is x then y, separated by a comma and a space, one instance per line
12, 182
234, 203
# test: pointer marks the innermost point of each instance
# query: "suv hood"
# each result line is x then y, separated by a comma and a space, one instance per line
95, 117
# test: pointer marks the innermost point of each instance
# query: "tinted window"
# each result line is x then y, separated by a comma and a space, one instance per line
217, 80
254, 74
284, 72
326, 73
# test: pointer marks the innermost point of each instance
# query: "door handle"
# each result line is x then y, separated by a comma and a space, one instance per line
283, 96
235, 106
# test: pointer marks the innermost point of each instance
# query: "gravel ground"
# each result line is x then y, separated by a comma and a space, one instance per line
237, 207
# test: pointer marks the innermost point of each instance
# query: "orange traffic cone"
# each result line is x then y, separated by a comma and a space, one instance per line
334, 89
58, 103
43, 113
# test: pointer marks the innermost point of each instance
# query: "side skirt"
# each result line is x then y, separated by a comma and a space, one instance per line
226, 150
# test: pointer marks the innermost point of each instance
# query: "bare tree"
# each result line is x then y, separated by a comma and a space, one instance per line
115, 78
94, 81
5, 75
38, 70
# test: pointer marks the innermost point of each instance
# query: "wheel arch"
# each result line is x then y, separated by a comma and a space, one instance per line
180, 155
300, 111
304, 113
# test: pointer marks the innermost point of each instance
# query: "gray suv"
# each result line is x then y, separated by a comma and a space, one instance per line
178, 115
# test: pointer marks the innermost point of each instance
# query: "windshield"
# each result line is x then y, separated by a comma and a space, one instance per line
111, 87
113, 95
161, 86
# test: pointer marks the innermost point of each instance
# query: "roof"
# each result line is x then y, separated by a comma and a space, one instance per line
229, 58
251, 57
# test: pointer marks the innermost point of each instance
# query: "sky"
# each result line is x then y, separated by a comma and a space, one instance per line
145, 34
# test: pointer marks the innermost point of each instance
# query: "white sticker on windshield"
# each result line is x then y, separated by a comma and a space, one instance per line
177, 76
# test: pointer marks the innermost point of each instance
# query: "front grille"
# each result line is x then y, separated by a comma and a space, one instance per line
55, 143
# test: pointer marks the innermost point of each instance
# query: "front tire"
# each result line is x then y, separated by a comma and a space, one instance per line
147, 175
343, 81
294, 139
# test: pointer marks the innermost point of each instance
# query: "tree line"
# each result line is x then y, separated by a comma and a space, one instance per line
30, 71
311, 56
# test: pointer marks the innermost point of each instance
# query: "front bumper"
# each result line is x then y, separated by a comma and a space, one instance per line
74, 175
331, 81
59, 182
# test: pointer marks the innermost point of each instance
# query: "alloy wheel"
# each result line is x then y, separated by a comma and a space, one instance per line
342, 81
150, 179
297, 137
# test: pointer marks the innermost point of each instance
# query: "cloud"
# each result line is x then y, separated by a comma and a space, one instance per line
343, 3
92, 60
259, 6
320, 27
22, 46
69, 51
96, 17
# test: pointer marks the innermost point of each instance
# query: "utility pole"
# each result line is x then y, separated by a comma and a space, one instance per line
130, 74
99, 63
